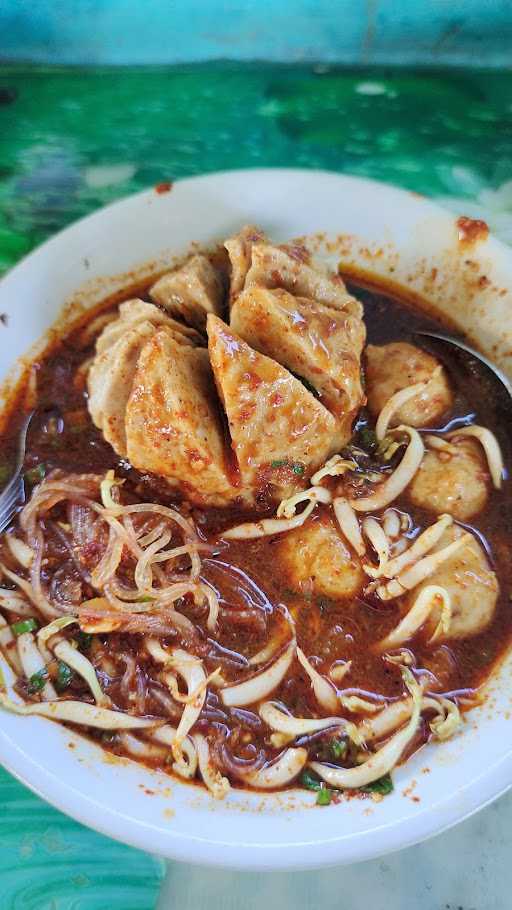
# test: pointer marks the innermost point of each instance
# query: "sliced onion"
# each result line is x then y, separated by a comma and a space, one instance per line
106, 487
218, 785
394, 404
449, 719
391, 524
437, 442
81, 665
268, 526
335, 467
355, 704
262, 685
187, 765
389, 719
374, 531
408, 580
33, 662
300, 726
382, 761
430, 598
40, 602
22, 553
191, 669
281, 772
491, 448
325, 692
401, 477
8, 647
213, 603
339, 671
288, 507
397, 713
349, 524
81, 713
141, 749
143, 575
15, 603
422, 545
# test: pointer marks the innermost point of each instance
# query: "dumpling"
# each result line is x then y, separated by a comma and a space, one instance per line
239, 249
173, 425
314, 558
394, 366
319, 344
273, 420
110, 381
132, 312
288, 267
191, 292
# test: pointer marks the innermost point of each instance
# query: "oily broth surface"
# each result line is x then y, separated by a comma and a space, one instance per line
327, 629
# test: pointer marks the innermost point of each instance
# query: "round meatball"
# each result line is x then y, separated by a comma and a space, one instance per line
471, 584
456, 483
315, 556
392, 367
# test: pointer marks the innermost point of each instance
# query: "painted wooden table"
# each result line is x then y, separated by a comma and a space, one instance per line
73, 140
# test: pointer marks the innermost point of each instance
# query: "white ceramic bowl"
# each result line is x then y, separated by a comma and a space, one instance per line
392, 235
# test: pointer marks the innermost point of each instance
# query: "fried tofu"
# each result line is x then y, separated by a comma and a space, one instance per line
173, 425
319, 344
110, 381
191, 292
272, 417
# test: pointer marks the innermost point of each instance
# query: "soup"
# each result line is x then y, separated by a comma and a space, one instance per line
264, 539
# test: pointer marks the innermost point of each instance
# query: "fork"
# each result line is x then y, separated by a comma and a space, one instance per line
15, 489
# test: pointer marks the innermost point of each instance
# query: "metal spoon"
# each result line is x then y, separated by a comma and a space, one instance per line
477, 372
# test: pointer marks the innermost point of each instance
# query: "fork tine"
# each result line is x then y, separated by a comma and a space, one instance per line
8, 503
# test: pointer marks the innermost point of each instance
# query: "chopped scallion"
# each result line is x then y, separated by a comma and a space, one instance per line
298, 468
338, 748
37, 681
324, 796
280, 463
24, 625
64, 676
310, 781
383, 785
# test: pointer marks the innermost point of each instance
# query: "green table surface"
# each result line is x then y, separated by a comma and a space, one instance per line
72, 140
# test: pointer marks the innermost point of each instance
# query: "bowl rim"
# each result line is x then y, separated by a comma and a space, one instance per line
494, 779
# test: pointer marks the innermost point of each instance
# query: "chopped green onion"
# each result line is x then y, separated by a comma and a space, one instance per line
324, 796
24, 625
84, 640
298, 468
339, 748
145, 599
278, 464
37, 681
36, 475
310, 781
383, 785
64, 676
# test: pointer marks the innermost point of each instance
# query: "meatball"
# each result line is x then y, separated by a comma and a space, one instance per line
457, 483
392, 367
315, 555
471, 584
